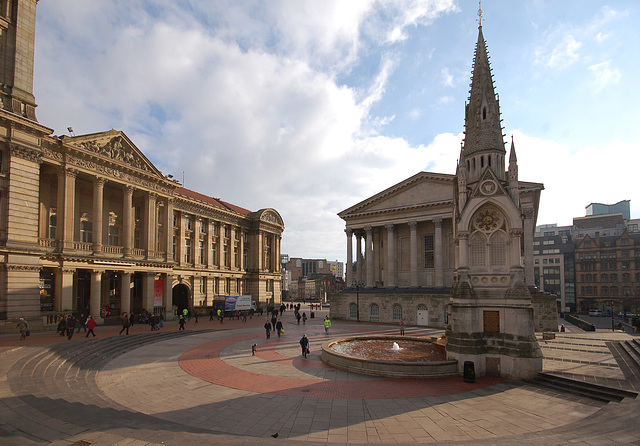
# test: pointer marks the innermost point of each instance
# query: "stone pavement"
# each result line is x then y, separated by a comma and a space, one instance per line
205, 387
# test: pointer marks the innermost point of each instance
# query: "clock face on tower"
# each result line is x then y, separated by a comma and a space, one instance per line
488, 219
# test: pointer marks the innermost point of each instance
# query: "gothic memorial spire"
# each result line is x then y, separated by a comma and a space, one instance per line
483, 142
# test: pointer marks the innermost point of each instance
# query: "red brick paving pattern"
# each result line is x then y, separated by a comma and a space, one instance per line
204, 362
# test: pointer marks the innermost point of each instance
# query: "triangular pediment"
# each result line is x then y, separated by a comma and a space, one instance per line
115, 146
489, 185
421, 190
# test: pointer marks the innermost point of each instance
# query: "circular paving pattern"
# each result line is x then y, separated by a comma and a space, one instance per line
207, 362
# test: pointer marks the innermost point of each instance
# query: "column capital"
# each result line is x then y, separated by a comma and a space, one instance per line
438, 222
153, 196
70, 172
99, 181
368, 229
463, 235
349, 232
389, 227
128, 189
413, 224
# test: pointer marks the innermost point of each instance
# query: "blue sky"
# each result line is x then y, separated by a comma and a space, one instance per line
312, 106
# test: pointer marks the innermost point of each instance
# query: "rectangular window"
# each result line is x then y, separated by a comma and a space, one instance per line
174, 247
187, 223
428, 251
114, 235
214, 252
86, 231
201, 224
175, 220
216, 285
245, 256
226, 232
236, 258
53, 222
549, 234
187, 250
214, 229
202, 259
225, 253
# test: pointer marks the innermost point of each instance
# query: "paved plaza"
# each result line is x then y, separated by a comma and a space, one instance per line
204, 386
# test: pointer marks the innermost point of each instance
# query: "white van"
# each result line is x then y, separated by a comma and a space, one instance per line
595, 313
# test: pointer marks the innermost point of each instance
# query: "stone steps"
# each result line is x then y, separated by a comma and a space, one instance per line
583, 389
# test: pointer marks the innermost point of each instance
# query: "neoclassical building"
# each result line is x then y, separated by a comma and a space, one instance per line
89, 224
455, 250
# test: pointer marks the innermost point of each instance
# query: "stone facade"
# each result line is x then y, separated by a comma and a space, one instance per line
89, 224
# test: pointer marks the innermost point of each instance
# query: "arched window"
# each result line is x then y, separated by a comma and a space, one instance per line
484, 113
478, 250
397, 312
374, 310
353, 311
498, 249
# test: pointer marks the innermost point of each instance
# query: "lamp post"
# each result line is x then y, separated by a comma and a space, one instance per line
358, 302
612, 322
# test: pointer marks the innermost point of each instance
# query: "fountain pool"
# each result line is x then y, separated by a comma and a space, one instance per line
390, 356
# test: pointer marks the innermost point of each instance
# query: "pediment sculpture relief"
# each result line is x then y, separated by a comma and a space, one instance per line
115, 149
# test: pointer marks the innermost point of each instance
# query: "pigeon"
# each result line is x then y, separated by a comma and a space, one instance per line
275, 435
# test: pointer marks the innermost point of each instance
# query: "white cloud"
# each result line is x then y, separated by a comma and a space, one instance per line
562, 55
575, 176
604, 75
447, 78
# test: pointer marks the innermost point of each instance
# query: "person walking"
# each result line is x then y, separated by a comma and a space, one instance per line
304, 345
298, 317
219, 317
71, 326
82, 323
327, 324
181, 322
91, 324
62, 325
23, 328
304, 318
267, 327
124, 317
279, 327
152, 322
211, 314
401, 327
195, 314
185, 313
273, 322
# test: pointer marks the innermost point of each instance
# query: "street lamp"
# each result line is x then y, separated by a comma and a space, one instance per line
612, 322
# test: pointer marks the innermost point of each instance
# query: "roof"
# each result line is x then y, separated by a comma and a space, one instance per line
193, 195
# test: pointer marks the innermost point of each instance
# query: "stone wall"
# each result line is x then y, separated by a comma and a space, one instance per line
545, 312
433, 306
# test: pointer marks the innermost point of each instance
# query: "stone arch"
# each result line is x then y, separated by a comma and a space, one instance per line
180, 295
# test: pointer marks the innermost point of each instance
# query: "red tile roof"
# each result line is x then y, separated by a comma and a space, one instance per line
212, 201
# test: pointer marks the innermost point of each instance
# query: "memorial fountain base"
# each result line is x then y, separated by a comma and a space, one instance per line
389, 356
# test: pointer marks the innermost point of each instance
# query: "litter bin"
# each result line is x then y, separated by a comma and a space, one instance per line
469, 372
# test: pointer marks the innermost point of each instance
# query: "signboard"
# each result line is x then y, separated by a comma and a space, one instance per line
158, 285
237, 303
47, 288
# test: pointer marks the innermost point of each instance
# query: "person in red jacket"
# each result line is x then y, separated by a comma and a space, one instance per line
91, 324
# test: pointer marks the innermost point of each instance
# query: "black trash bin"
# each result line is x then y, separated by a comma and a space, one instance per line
469, 372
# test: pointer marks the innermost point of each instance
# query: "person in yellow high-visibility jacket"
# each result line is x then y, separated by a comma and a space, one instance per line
327, 325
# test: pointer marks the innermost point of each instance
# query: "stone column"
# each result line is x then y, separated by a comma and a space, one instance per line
232, 245
208, 246
359, 258
64, 290
147, 291
128, 220
60, 205
180, 248
514, 247
152, 212
349, 272
438, 254
528, 247
390, 280
98, 218
241, 264
260, 251
95, 297
125, 291
413, 226
169, 232
167, 296
69, 211
463, 248
368, 249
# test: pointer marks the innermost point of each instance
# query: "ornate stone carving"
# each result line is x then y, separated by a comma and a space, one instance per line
115, 149
488, 219
271, 217
26, 153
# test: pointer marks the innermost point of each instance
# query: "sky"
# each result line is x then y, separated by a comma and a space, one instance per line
310, 107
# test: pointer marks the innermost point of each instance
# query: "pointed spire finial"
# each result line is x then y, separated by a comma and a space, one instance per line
480, 13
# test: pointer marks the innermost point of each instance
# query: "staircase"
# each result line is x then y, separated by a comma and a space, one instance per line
583, 389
